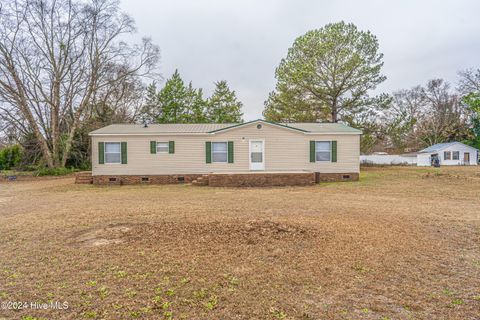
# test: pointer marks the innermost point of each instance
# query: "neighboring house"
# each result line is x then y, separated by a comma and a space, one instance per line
166, 153
449, 154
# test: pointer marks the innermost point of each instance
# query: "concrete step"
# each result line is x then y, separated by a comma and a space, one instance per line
201, 181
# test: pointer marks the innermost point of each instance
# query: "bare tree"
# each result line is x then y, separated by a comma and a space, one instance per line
469, 81
445, 118
423, 116
60, 57
402, 116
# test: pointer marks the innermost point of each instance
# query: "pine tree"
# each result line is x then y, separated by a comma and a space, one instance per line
327, 76
176, 103
172, 99
223, 106
151, 110
195, 106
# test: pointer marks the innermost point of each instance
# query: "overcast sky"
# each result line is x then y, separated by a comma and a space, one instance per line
242, 41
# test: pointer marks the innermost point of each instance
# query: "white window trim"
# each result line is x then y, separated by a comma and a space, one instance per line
330, 151
226, 152
105, 153
168, 147
450, 155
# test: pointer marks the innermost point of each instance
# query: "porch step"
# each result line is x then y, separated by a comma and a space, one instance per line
201, 181
84, 177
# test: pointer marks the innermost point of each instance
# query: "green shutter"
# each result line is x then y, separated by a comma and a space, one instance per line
171, 146
334, 151
312, 151
124, 153
101, 152
230, 151
208, 152
153, 147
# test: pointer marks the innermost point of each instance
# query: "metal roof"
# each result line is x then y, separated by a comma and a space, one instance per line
210, 128
316, 127
161, 128
440, 146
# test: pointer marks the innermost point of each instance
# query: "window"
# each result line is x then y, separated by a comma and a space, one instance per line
162, 147
456, 155
112, 152
256, 151
219, 152
447, 155
322, 150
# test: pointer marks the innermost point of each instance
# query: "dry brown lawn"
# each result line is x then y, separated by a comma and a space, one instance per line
402, 243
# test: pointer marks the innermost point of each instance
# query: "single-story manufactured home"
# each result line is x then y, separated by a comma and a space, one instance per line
447, 154
251, 153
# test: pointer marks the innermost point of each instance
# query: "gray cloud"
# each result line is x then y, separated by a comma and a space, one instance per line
242, 41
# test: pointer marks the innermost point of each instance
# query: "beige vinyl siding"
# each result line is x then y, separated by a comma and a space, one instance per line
285, 150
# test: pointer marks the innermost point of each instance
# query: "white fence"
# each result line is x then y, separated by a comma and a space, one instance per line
389, 159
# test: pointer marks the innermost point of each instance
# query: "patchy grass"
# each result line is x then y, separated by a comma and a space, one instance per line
402, 243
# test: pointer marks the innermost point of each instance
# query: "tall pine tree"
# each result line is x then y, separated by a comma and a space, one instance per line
151, 110
328, 75
176, 103
172, 100
195, 105
223, 106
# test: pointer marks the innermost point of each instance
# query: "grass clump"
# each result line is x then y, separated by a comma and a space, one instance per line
455, 302
278, 314
90, 314
211, 303
103, 292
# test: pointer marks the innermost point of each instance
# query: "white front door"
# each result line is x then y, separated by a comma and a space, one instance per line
257, 155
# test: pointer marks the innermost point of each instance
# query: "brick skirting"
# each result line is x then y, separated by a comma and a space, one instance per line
257, 179
144, 179
332, 177
262, 179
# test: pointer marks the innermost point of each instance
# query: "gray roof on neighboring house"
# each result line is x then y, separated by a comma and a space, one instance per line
203, 128
440, 146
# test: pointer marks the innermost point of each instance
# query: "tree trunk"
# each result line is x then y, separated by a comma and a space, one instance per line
68, 143
55, 124
334, 111
23, 106
67, 147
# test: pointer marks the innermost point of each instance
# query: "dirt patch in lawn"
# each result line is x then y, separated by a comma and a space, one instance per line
272, 229
251, 231
101, 236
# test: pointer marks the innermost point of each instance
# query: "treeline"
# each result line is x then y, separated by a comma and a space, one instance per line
52, 97
424, 115
177, 103
64, 68
80, 75
329, 74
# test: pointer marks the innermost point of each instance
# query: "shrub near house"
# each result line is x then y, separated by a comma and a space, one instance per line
10, 157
